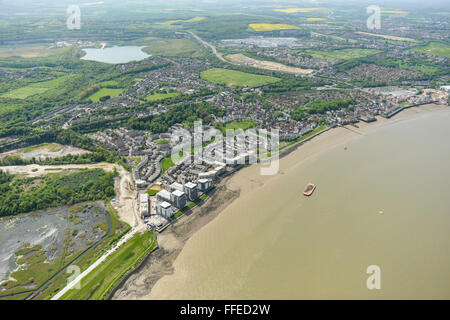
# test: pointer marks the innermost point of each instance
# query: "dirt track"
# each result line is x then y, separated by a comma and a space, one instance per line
267, 65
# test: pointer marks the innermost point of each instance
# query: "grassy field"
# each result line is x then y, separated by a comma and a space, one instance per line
34, 88
51, 83
436, 49
234, 78
152, 192
105, 92
109, 84
166, 164
195, 19
271, 26
342, 54
31, 51
243, 124
23, 93
161, 96
99, 283
173, 48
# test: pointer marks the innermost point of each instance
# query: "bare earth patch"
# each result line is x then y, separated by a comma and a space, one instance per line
386, 36
49, 150
267, 65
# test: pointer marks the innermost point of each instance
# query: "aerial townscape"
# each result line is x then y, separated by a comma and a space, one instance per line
126, 127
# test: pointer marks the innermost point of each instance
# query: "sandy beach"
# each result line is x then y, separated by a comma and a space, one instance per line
231, 193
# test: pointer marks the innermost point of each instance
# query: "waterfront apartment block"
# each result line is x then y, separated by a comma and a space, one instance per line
191, 191
178, 199
164, 209
204, 184
144, 204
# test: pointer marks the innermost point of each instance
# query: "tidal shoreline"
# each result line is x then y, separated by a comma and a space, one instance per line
163, 261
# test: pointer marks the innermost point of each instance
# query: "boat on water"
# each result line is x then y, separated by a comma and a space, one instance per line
309, 190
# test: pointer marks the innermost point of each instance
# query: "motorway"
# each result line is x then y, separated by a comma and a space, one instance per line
213, 48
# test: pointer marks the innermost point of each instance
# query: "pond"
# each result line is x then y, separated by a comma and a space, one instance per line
115, 54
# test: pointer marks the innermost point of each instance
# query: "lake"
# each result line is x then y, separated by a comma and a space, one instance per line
115, 54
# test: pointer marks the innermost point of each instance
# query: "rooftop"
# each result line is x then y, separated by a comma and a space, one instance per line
164, 194
165, 205
143, 197
178, 193
190, 185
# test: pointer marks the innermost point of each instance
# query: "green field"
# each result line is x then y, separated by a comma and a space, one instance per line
109, 84
234, 78
341, 54
166, 163
34, 88
243, 124
99, 283
23, 93
436, 49
173, 48
52, 83
105, 92
152, 192
161, 96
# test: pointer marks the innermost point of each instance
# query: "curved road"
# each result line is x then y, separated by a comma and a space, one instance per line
213, 48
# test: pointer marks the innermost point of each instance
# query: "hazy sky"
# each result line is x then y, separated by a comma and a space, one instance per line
405, 4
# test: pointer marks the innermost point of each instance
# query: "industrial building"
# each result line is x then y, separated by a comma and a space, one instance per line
191, 191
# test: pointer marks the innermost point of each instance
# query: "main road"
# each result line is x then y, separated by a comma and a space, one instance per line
213, 48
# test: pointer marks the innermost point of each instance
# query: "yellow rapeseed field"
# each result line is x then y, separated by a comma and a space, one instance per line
196, 19
297, 10
394, 11
271, 27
